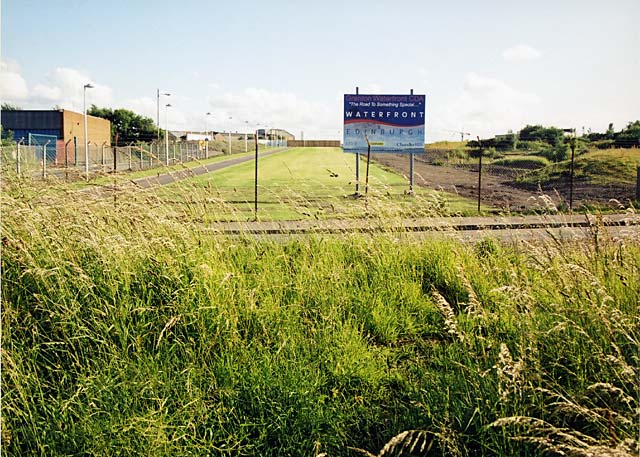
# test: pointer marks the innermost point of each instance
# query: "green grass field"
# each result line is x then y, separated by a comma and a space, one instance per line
130, 329
311, 183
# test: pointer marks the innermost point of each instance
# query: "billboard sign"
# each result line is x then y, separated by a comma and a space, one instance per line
389, 123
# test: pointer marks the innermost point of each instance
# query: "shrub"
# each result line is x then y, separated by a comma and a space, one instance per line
557, 153
523, 162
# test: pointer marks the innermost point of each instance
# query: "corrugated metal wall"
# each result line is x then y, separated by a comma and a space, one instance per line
23, 122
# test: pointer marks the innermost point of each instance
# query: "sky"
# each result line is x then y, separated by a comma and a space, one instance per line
485, 67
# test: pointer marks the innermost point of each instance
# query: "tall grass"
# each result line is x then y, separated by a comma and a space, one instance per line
132, 330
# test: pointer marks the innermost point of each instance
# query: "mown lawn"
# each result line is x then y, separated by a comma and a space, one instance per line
312, 183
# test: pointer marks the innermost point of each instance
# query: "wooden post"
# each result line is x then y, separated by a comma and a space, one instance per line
572, 144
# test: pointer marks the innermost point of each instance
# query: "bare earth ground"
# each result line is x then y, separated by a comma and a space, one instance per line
498, 191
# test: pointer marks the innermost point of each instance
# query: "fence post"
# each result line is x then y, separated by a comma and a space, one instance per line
75, 148
18, 157
44, 160
66, 161
102, 158
115, 158
129, 152
572, 144
479, 174
411, 174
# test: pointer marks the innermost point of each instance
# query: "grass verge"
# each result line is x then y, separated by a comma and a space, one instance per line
129, 330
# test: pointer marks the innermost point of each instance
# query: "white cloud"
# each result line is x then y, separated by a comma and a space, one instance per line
372, 88
40, 91
521, 53
65, 87
273, 109
13, 87
485, 107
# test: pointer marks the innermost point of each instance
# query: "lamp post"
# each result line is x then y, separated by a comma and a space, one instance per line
166, 132
206, 126
158, 109
246, 147
86, 137
230, 133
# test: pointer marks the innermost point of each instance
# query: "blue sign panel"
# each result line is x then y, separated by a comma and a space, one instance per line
388, 123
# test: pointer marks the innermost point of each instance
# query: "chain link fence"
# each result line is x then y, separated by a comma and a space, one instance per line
70, 160
518, 181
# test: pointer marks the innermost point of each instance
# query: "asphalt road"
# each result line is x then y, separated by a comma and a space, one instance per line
163, 179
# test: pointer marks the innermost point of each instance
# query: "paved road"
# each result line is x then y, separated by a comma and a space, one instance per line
168, 178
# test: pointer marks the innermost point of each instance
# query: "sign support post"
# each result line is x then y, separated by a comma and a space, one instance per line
357, 161
357, 173
366, 186
411, 165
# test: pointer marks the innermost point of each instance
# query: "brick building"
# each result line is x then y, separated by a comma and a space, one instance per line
67, 126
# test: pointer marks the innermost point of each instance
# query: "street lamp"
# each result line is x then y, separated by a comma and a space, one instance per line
166, 131
246, 147
206, 126
86, 137
230, 133
158, 94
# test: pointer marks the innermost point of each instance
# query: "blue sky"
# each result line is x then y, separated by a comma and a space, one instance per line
485, 67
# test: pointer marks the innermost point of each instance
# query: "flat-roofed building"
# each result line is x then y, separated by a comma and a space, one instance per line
67, 126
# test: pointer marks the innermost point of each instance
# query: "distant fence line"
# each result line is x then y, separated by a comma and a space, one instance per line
313, 143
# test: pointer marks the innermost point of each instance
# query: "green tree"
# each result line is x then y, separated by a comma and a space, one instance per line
10, 107
610, 132
505, 142
126, 125
550, 135
629, 136
7, 136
